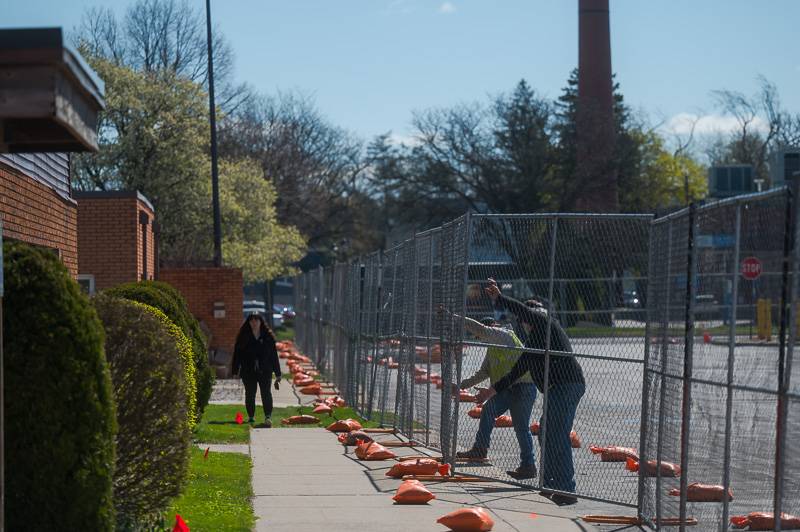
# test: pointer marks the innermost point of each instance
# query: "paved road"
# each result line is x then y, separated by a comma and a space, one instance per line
610, 414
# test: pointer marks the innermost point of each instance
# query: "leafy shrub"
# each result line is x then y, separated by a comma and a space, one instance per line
187, 359
59, 408
169, 301
150, 390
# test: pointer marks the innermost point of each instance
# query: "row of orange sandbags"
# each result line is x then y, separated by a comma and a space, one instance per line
411, 490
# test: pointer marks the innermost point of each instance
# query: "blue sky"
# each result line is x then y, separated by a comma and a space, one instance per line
370, 63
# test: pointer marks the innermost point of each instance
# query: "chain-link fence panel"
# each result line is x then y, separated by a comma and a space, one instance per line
583, 272
712, 390
451, 308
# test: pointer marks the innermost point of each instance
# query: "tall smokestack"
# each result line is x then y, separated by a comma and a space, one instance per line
595, 114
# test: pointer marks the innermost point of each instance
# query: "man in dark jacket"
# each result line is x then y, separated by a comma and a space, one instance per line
566, 385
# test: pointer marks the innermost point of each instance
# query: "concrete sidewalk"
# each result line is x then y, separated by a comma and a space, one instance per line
231, 392
304, 480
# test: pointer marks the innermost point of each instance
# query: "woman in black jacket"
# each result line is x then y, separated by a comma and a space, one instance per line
255, 359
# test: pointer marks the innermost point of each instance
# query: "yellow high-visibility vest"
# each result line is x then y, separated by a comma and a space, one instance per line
502, 359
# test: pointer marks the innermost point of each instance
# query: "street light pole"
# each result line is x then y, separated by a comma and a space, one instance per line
212, 110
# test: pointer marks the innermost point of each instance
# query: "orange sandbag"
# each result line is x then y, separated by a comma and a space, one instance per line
352, 437
765, 521
323, 409
420, 466
465, 397
475, 412
335, 401
344, 425
421, 379
612, 453
574, 440
412, 492
467, 520
394, 365
300, 420
696, 492
667, 469
535, 428
373, 451
283, 354
312, 389
503, 421
418, 371
308, 381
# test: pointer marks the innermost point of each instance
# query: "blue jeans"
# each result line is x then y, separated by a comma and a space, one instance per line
557, 467
518, 398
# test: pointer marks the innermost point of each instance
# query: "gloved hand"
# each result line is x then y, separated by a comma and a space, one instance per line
278, 383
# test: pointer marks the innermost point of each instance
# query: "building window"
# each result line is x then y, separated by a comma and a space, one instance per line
86, 283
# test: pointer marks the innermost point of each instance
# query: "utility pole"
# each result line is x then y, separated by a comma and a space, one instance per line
212, 110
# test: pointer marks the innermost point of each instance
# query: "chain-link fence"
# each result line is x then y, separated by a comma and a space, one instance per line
718, 401
635, 332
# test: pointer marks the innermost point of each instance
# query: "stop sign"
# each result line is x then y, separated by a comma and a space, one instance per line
751, 268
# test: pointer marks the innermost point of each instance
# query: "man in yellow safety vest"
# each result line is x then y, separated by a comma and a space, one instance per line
502, 354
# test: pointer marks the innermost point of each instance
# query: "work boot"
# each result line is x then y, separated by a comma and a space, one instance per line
523, 472
476, 453
251, 420
563, 500
268, 423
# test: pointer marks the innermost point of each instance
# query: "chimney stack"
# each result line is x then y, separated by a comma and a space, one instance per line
596, 169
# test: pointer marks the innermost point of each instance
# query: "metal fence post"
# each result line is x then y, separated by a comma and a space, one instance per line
691, 283
429, 343
787, 303
374, 372
546, 381
412, 338
645, 414
460, 345
663, 388
726, 474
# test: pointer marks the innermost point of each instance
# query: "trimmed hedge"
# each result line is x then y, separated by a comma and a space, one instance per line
59, 409
184, 347
154, 437
169, 301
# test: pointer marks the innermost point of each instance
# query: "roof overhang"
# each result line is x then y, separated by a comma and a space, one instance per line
49, 96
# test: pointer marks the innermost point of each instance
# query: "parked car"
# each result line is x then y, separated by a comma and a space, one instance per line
257, 306
631, 299
286, 311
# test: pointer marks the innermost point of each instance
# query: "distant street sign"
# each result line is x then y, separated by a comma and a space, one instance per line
751, 268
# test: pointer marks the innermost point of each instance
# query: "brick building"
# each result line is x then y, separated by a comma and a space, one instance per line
49, 100
215, 297
36, 206
117, 238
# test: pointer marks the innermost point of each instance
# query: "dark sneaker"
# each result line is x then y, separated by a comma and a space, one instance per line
476, 453
251, 420
563, 500
268, 423
523, 473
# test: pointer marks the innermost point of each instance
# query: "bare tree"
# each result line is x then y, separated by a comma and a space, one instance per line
762, 125
317, 168
162, 35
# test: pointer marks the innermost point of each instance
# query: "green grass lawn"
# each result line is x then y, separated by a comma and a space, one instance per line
284, 333
219, 422
218, 494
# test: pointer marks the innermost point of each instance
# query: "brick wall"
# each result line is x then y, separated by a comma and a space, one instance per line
33, 212
202, 287
110, 237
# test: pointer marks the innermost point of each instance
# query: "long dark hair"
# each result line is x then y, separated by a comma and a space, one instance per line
245, 330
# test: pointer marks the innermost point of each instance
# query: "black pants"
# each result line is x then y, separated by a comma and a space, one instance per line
263, 381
